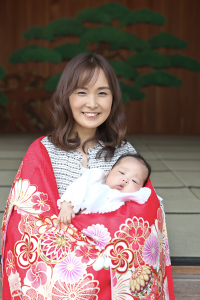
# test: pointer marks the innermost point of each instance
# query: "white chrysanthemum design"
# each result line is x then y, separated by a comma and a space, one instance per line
14, 282
22, 195
98, 235
85, 289
71, 269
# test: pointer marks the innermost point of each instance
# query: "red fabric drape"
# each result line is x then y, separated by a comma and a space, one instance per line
119, 255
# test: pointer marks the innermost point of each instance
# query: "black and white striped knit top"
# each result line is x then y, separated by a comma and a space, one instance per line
67, 164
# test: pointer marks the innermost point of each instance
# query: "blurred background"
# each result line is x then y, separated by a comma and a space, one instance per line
153, 47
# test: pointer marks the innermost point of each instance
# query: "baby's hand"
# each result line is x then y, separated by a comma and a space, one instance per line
66, 213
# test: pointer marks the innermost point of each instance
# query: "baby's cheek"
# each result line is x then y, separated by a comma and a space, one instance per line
109, 182
132, 189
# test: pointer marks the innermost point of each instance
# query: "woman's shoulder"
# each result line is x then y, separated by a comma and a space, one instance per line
48, 145
51, 148
56, 153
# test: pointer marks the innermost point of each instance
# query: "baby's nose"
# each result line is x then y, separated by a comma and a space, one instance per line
125, 180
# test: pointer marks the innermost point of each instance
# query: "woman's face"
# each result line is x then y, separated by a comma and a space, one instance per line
91, 105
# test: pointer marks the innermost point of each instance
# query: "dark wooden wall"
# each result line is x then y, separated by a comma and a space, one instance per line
165, 110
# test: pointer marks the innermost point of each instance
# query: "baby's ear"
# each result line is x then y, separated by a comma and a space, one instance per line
107, 174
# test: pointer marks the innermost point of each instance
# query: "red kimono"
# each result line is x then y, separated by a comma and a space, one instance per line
118, 255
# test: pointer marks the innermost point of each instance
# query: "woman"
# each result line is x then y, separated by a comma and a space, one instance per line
87, 118
118, 255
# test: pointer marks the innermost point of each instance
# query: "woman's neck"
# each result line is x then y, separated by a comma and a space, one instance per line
85, 135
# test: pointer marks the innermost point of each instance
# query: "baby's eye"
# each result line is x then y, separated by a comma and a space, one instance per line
134, 181
121, 172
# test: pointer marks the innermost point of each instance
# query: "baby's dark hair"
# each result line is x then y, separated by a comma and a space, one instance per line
138, 157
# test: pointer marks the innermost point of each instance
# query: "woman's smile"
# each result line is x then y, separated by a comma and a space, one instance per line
91, 115
91, 105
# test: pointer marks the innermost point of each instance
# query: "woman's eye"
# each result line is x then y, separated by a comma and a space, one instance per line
102, 94
81, 93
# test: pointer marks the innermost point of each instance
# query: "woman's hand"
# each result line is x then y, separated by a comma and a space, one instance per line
66, 213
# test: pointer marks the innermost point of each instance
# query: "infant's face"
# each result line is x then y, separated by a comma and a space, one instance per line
127, 176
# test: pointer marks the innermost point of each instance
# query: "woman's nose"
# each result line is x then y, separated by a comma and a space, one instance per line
92, 102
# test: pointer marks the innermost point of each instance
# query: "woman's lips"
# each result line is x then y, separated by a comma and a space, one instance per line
91, 115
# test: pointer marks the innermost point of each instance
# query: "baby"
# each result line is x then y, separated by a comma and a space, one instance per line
94, 192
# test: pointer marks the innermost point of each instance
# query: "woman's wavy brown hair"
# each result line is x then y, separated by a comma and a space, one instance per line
80, 71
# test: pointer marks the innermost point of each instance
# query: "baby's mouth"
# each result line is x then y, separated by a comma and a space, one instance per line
119, 187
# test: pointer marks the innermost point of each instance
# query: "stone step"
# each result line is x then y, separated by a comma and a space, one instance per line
188, 270
186, 287
186, 282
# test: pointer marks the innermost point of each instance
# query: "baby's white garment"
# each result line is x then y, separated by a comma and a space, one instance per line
89, 191
84, 170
